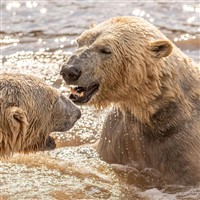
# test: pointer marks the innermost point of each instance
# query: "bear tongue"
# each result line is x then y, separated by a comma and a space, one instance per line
78, 94
78, 91
82, 94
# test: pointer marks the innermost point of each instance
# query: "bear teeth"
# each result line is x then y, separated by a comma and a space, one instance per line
77, 90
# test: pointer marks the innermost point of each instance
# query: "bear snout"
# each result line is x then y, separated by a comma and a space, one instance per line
73, 118
70, 73
71, 111
77, 114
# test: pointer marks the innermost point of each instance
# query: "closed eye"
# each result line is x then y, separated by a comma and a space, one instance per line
105, 51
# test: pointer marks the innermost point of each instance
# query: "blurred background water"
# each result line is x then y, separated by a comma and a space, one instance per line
53, 25
36, 37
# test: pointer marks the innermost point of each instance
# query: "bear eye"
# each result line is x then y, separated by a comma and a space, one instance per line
105, 50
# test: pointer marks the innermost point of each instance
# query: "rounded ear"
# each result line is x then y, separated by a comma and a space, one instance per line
92, 25
16, 121
160, 48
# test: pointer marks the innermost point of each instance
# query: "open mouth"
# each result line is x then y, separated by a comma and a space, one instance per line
81, 94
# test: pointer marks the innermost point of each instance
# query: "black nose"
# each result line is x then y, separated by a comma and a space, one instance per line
70, 73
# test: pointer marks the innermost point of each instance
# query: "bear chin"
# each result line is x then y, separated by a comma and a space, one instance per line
50, 144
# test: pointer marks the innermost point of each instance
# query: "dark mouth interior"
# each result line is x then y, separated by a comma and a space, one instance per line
81, 94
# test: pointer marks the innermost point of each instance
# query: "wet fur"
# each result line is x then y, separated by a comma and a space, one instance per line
154, 90
29, 111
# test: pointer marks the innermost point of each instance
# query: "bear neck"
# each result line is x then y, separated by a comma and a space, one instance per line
173, 84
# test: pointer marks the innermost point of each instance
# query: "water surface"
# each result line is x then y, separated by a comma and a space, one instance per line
36, 38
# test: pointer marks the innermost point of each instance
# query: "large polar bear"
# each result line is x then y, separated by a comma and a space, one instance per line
154, 90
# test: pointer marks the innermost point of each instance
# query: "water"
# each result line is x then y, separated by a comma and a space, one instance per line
36, 37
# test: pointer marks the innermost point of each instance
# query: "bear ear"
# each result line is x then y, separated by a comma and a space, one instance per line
161, 48
16, 121
92, 25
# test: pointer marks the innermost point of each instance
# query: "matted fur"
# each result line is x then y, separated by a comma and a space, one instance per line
154, 90
29, 111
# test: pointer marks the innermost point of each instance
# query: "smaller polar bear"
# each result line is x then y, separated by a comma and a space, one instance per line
154, 89
29, 111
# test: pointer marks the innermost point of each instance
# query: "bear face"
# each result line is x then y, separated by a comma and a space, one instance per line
29, 111
119, 47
